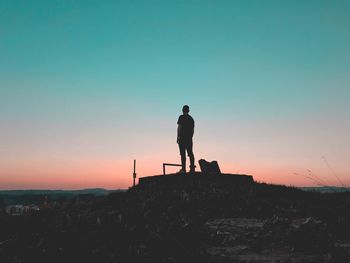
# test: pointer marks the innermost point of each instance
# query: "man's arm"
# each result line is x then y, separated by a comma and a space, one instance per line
179, 127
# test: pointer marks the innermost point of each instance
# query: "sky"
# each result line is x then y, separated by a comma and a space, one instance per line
87, 86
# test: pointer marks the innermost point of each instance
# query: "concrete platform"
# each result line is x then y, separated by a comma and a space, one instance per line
178, 179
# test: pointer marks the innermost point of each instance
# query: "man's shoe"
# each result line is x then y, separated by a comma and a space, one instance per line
182, 171
192, 169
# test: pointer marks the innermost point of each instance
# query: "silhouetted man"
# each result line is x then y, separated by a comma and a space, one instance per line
185, 131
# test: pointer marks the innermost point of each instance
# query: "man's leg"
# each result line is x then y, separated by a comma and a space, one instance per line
191, 155
183, 156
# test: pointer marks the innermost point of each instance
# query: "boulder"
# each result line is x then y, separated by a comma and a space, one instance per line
209, 168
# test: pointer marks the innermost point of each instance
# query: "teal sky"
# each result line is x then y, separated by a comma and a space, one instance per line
87, 86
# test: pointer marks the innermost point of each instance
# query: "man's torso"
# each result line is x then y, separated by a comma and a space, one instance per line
187, 126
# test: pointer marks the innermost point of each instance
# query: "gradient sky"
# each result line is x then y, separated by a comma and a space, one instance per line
87, 86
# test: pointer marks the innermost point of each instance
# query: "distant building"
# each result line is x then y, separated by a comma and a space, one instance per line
18, 210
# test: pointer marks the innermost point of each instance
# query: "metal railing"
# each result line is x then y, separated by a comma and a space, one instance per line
169, 164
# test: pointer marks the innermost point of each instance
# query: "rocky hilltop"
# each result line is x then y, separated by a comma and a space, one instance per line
176, 218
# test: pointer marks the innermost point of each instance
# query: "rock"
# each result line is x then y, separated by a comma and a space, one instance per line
209, 168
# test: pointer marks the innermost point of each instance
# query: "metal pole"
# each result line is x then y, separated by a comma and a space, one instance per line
134, 173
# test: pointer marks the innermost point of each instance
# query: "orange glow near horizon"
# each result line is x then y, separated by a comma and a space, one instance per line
87, 162
110, 174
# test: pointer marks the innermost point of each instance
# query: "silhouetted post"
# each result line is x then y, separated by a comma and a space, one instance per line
134, 173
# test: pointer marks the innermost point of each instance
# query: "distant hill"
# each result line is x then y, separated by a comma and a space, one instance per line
96, 191
326, 189
37, 196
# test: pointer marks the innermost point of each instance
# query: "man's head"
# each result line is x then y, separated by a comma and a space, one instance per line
185, 109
